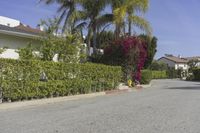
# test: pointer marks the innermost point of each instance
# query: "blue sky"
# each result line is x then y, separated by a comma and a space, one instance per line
176, 23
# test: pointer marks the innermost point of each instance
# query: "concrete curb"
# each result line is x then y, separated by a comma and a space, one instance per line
13, 105
146, 86
117, 91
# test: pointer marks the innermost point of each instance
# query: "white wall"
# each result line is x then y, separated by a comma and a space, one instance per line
170, 63
183, 66
12, 43
9, 22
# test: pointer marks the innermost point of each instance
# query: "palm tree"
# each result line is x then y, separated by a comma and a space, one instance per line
68, 13
96, 20
128, 8
115, 4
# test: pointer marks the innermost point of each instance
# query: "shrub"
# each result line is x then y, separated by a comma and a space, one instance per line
146, 77
21, 79
196, 73
128, 52
159, 75
172, 73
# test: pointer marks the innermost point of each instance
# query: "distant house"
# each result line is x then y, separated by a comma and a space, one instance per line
15, 35
175, 62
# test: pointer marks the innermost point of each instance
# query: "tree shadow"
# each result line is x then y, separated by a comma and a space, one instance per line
185, 88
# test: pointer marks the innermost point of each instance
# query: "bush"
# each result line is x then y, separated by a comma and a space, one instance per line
146, 77
196, 73
172, 73
159, 75
26, 80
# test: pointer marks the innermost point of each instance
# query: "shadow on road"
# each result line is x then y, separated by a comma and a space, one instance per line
186, 88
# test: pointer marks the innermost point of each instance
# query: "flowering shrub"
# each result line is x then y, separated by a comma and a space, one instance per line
130, 53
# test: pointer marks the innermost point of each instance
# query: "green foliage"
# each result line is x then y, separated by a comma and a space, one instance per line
104, 38
192, 64
196, 73
146, 77
26, 53
50, 25
76, 14
159, 75
49, 47
67, 48
172, 73
151, 49
21, 79
158, 66
2, 50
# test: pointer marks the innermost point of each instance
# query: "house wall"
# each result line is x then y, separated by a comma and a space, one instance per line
183, 66
170, 63
12, 43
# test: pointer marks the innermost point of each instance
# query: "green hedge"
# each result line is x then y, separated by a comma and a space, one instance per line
20, 80
196, 73
146, 77
159, 75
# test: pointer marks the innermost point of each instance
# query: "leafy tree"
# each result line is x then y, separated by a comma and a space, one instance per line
151, 49
192, 64
50, 25
27, 53
68, 49
77, 14
158, 66
2, 50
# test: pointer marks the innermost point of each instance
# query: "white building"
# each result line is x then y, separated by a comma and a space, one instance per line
175, 62
15, 35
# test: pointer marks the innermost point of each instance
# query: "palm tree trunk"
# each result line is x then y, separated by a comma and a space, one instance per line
88, 41
117, 31
129, 28
94, 40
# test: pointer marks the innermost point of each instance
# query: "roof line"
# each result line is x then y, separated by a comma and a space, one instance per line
19, 34
171, 60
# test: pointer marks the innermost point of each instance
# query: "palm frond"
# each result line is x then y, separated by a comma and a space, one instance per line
141, 23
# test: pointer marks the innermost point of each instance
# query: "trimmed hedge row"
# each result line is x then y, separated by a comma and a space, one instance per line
21, 80
148, 75
159, 75
196, 73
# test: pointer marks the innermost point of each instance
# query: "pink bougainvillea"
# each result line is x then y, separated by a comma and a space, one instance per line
134, 53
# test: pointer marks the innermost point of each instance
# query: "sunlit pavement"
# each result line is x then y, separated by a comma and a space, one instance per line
169, 106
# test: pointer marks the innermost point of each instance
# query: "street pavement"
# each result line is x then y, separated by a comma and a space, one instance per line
169, 106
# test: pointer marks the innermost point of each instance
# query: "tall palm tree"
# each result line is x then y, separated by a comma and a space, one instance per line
128, 8
116, 4
95, 18
68, 13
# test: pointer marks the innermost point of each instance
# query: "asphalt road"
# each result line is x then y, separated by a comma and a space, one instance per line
169, 106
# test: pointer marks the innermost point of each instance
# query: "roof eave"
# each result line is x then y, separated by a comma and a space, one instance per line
26, 35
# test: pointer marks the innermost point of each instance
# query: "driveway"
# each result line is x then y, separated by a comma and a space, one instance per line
169, 106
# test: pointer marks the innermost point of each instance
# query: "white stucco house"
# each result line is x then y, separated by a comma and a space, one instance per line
15, 35
175, 62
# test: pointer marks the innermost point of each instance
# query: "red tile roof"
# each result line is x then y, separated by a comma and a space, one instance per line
28, 29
